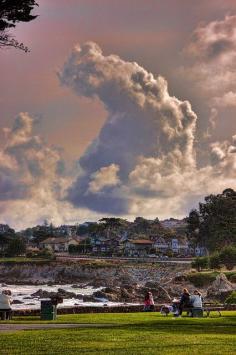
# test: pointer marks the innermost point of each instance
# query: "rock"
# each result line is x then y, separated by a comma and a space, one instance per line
65, 294
90, 298
180, 278
43, 294
220, 289
17, 302
157, 290
50, 283
100, 294
79, 296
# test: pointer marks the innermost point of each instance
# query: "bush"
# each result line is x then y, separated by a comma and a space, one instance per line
201, 279
44, 253
215, 261
200, 263
228, 257
231, 299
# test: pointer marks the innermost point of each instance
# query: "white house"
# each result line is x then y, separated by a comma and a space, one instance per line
60, 244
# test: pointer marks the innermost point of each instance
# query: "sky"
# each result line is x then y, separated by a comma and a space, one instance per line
119, 109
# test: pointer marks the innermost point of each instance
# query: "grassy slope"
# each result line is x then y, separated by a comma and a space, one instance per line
205, 278
135, 333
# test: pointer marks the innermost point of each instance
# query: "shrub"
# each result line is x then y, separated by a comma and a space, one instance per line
228, 257
200, 263
201, 279
231, 299
215, 261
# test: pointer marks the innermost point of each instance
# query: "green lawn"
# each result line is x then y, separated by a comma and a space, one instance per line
131, 333
23, 259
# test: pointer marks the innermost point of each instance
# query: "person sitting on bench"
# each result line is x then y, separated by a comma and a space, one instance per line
196, 301
5, 304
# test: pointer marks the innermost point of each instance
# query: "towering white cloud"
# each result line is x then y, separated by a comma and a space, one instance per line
148, 135
212, 51
32, 178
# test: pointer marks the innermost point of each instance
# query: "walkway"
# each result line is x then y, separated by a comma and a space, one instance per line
38, 326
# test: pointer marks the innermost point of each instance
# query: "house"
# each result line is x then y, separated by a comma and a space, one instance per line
200, 251
59, 244
161, 245
104, 245
138, 247
173, 223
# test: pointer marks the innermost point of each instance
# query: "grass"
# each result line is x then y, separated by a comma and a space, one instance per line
23, 260
131, 333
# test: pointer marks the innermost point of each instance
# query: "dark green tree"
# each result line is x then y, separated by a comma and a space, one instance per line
200, 263
11, 13
214, 225
214, 261
15, 247
228, 257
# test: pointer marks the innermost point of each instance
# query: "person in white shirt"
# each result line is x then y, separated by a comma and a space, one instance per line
5, 303
196, 299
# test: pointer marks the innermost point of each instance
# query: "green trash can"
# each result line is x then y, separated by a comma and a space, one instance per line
48, 310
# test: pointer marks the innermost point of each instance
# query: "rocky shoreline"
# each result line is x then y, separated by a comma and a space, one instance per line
113, 283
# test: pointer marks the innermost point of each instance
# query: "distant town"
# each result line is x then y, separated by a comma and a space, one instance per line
107, 237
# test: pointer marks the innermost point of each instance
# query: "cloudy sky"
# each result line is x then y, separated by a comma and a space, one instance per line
120, 109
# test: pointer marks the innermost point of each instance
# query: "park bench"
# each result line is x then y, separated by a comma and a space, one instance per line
209, 309
199, 312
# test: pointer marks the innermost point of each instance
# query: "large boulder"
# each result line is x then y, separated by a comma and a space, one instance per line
220, 289
17, 302
60, 293
43, 294
91, 298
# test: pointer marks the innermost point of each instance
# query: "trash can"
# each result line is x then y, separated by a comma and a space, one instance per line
48, 310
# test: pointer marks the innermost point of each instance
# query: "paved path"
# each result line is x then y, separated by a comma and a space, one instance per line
39, 326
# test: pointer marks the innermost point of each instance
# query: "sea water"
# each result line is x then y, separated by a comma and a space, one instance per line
23, 293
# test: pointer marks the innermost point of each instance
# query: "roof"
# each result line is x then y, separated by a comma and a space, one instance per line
61, 240
141, 241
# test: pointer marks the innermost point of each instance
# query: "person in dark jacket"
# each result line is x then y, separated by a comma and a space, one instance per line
184, 301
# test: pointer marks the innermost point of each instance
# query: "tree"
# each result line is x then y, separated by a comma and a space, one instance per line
16, 247
200, 263
41, 232
214, 261
214, 225
12, 12
228, 257
112, 225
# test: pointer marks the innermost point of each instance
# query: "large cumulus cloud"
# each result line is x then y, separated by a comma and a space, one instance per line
212, 55
149, 136
32, 178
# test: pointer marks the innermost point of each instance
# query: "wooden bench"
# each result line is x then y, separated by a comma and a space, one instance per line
209, 309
